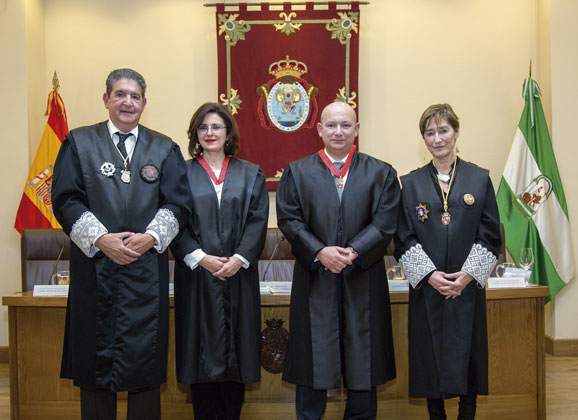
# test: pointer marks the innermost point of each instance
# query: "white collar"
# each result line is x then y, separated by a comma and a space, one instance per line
335, 160
112, 130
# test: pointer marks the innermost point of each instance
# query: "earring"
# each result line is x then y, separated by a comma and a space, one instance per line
457, 150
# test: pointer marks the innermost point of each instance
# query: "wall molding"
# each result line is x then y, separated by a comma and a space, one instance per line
562, 346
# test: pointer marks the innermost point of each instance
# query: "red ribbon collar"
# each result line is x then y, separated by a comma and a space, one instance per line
210, 172
338, 173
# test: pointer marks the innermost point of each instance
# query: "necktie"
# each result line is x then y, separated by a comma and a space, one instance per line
121, 147
338, 165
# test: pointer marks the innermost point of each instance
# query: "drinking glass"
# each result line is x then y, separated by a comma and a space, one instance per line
526, 260
502, 269
395, 273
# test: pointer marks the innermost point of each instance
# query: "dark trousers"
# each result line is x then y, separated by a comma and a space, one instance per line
101, 405
467, 407
310, 404
217, 400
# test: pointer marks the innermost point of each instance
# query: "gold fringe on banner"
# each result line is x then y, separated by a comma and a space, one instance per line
277, 3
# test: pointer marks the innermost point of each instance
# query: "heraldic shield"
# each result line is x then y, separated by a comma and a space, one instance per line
274, 340
287, 102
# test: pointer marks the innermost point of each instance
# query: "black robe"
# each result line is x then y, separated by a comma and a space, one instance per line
116, 333
448, 348
308, 214
217, 323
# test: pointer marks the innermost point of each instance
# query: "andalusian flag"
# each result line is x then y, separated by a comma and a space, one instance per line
35, 209
531, 198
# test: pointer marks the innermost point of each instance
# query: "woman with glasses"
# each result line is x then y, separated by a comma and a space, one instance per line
217, 301
447, 242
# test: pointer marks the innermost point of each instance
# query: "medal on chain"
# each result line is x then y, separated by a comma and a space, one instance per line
124, 173
125, 176
338, 173
446, 216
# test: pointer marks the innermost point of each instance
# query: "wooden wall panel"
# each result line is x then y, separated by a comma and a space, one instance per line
512, 346
516, 365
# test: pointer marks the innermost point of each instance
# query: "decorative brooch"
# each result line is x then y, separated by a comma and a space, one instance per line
149, 173
421, 212
107, 169
469, 199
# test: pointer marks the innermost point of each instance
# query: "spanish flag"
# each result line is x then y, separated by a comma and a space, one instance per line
35, 210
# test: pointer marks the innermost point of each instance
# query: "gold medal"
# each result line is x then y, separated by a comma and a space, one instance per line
125, 176
340, 182
446, 218
469, 199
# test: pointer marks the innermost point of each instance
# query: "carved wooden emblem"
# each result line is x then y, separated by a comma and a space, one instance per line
274, 345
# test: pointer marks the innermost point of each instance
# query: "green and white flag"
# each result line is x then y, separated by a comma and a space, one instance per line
531, 198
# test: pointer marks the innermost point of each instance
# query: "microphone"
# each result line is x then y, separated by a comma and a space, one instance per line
56, 264
272, 256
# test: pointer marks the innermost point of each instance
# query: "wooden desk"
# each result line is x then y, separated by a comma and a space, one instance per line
516, 364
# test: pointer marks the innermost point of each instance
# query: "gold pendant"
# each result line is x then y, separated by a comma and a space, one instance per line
446, 218
125, 176
340, 183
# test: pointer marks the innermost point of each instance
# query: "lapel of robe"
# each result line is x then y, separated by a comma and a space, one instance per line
205, 206
323, 301
355, 287
327, 182
231, 218
108, 145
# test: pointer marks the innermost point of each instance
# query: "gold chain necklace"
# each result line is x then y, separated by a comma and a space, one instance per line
125, 173
446, 217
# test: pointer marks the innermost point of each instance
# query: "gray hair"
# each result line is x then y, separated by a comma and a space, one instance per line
118, 74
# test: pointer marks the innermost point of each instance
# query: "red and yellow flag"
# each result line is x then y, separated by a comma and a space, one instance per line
35, 210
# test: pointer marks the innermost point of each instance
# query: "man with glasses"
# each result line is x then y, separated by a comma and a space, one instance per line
339, 209
121, 193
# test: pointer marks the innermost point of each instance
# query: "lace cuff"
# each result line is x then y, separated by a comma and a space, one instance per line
166, 226
479, 264
85, 231
416, 264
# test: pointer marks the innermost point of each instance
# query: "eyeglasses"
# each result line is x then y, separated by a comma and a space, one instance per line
214, 128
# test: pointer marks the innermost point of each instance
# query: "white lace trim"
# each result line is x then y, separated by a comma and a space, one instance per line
479, 264
85, 231
416, 264
166, 226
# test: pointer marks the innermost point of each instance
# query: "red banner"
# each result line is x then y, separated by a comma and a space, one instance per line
35, 210
278, 68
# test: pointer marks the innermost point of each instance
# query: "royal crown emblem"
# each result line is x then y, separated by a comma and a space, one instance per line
288, 101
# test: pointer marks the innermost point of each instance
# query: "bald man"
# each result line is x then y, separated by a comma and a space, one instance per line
338, 209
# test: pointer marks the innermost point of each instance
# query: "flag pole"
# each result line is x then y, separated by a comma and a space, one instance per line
530, 72
55, 82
